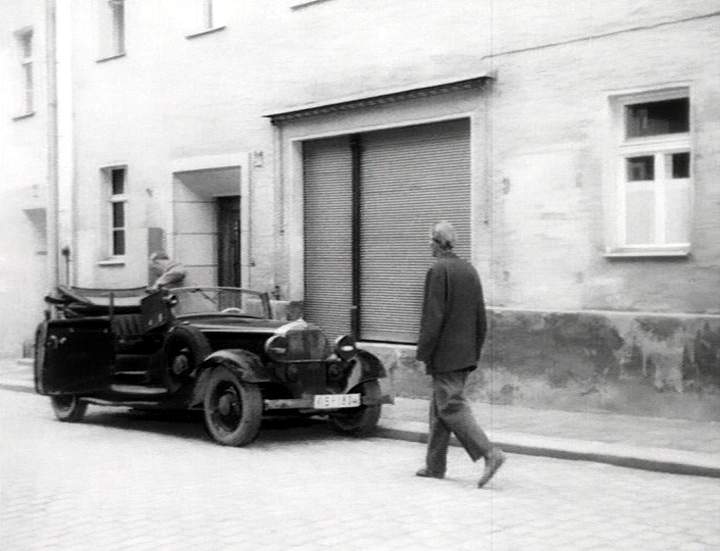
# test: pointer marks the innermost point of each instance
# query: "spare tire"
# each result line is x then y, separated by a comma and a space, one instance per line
185, 348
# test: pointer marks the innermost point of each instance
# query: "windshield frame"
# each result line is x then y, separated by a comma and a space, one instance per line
205, 290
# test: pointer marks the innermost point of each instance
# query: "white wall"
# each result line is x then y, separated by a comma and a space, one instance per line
22, 182
174, 98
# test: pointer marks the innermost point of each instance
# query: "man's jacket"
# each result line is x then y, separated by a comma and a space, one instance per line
453, 324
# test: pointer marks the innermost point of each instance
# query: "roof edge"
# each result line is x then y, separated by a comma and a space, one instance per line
378, 97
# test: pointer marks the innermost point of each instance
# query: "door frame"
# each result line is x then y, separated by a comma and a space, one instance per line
239, 160
292, 197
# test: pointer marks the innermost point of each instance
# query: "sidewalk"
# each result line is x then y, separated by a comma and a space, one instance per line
658, 444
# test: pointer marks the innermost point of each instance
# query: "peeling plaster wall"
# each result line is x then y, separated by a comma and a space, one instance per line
644, 364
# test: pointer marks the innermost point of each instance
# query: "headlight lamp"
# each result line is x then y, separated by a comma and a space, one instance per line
276, 347
345, 347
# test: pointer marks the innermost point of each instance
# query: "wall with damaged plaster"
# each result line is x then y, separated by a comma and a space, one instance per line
657, 365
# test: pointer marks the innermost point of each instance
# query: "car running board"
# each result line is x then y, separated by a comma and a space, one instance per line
139, 389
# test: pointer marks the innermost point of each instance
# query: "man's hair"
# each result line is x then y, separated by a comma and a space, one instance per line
159, 255
443, 233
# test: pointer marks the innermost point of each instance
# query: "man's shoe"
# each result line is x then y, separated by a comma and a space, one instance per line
492, 463
427, 473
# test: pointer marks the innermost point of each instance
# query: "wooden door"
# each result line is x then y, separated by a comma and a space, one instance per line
228, 209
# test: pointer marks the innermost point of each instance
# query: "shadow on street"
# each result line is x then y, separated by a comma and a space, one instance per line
190, 425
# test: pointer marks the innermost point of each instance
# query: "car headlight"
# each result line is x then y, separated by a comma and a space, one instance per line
345, 347
276, 347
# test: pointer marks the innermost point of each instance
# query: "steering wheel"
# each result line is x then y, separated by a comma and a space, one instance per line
231, 310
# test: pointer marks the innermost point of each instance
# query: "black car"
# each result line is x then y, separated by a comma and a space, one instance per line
211, 348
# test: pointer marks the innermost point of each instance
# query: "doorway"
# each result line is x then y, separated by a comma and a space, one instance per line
228, 230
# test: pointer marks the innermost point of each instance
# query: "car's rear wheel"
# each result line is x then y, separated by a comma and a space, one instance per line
359, 421
233, 408
68, 407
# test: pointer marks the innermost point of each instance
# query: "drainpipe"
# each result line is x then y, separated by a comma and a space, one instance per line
52, 144
356, 149
279, 201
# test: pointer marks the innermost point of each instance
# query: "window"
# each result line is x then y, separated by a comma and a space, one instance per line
302, 4
117, 203
112, 28
654, 173
25, 49
207, 20
206, 16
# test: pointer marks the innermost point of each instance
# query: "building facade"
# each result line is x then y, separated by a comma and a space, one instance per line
304, 148
23, 173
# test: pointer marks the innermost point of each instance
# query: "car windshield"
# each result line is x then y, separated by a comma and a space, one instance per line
222, 300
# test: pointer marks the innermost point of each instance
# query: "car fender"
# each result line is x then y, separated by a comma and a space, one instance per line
246, 365
366, 367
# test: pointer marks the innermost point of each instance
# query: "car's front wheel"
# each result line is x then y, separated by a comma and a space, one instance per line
359, 421
233, 408
68, 407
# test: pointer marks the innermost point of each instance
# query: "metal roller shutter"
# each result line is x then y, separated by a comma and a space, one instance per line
410, 178
327, 166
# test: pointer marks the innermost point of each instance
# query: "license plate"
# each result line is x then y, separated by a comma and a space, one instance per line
334, 401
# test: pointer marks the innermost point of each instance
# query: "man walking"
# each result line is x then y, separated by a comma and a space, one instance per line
452, 332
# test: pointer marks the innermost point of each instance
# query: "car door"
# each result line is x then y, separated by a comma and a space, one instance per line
73, 356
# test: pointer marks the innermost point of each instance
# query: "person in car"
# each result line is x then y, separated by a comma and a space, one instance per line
452, 332
169, 274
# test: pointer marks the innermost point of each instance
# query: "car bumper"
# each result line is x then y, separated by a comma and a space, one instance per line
308, 402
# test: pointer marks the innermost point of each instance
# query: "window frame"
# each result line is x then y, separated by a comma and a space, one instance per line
208, 19
657, 147
302, 4
26, 49
112, 22
109, 201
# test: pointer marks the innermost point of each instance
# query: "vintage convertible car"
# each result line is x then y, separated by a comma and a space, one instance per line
210, 348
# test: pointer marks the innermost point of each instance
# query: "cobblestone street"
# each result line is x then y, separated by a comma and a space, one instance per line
124, 480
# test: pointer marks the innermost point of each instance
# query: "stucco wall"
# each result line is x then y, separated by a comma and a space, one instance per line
173, 98
540, 188
23, 194
554, 177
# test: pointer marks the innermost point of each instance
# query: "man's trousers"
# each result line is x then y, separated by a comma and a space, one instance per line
450, 413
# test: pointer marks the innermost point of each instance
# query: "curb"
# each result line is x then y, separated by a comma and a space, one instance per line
649, 459
17, 386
